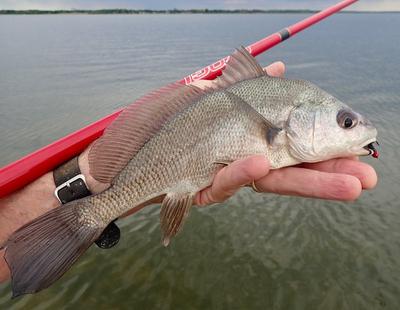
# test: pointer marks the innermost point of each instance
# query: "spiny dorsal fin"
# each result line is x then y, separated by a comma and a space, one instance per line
240, 66
174, 210
135, 126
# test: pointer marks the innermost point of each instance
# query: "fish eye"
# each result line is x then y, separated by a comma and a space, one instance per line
348, 122
346, 119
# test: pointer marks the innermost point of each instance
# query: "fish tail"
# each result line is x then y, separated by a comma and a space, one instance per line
41, 251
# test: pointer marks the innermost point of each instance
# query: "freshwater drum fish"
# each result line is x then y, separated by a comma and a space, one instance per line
172, 142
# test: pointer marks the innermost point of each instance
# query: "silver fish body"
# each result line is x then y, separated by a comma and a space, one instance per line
174, 144
185, 155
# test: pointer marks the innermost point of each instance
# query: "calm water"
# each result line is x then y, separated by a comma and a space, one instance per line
58, 73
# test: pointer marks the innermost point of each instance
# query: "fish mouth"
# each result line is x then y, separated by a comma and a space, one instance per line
367, 148
370, 148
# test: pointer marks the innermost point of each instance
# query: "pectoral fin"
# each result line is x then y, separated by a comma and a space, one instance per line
272, 132
174, 210
223, 162
273, 135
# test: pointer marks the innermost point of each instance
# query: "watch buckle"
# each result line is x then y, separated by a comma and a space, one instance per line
68, 185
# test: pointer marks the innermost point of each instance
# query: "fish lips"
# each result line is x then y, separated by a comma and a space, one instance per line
368, 148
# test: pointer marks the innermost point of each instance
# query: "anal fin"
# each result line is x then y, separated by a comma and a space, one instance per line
174, 210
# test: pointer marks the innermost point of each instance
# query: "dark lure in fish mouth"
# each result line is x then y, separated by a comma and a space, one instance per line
372, 150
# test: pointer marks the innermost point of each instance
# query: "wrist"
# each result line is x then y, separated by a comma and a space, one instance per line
94, 186
27, 204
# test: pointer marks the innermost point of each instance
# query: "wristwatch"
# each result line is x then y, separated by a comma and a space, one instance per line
70, 182
71, 185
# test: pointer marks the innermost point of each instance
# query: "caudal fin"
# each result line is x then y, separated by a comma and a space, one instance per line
40, 252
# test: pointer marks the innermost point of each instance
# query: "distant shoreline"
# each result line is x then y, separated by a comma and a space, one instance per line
173, 11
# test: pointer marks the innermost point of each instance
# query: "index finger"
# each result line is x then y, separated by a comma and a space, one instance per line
298, 181
362, 171
276, 69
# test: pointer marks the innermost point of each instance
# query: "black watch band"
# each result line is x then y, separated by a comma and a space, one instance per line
70, 182
71, 185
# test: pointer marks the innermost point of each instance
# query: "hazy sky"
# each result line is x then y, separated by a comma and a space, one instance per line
374, 5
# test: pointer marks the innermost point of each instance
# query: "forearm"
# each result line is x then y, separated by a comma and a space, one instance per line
38, 198
32, 201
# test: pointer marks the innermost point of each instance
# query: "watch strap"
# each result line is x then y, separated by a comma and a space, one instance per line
70, 182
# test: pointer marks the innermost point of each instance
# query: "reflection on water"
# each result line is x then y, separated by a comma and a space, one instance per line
256, 251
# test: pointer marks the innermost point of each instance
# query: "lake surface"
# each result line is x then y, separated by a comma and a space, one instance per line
256, 251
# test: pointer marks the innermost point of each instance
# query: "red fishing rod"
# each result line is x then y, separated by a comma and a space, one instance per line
27, 169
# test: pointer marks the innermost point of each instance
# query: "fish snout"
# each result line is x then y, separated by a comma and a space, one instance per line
366, 122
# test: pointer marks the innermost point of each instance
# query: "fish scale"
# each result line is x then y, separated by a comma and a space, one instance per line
143, 180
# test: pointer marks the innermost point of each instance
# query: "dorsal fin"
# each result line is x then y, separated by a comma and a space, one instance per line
135, 126
240, 66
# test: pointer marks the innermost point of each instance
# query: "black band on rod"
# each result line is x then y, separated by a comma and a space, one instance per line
285, 34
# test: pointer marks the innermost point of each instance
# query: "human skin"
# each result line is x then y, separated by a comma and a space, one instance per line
337, 179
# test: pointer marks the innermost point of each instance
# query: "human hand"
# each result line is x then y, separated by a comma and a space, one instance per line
335, 179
